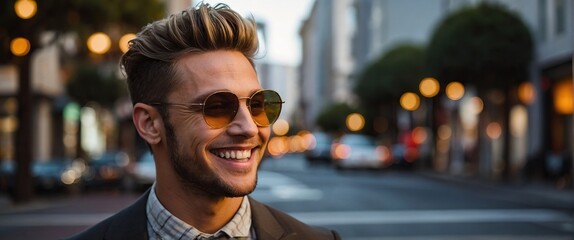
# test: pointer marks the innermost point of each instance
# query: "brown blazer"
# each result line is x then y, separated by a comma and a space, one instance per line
269, 224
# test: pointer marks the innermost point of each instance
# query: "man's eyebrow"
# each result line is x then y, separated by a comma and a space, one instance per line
201, 97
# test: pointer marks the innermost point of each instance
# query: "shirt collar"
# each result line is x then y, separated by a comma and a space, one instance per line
164, 225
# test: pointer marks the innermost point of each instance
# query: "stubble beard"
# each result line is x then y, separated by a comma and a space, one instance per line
196, 176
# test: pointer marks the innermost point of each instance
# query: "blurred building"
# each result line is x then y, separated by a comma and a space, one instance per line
326, 63
547, 138
47, 87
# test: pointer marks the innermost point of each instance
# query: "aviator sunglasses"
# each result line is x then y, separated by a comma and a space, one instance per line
219, 108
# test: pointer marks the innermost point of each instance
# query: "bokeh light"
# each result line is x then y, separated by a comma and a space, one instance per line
563, 97
444, 132
419, 135
124, 41
277, 146
410, 101
355, 122
493, 130
20, 46
454, 90
281, 127
518, 121
25, 9
478, 104
526, 93
429, 87
99, 43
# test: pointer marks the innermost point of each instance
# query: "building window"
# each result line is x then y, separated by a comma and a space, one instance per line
560, 10
542, 20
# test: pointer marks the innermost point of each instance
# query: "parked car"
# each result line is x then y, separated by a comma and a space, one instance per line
142, 172
58, 174
359, 151
107, 170
320, 149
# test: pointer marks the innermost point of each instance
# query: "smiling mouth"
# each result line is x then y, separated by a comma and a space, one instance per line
233, 154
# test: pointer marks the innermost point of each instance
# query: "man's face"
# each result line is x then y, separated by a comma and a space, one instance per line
195, 147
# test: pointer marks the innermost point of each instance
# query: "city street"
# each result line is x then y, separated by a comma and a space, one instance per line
358, 204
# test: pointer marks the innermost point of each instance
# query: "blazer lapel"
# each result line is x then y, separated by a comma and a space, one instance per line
130, 223
266, 225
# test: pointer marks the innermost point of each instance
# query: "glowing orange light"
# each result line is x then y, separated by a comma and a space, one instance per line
429, 87
124, 41
454, 90
563, 97
526, 93
478, 104
355, 122
410, 101
20, 46
277, 146
99, 43
25, 9
419, 135
384, 154
281, 127
340, 151
493, 130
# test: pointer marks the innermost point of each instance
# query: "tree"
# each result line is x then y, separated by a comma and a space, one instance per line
59, 17
381, 84
485, 46
87, 82
333, 117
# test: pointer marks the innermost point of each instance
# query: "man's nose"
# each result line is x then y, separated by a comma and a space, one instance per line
243, 123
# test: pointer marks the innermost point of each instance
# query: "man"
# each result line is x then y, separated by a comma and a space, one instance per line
199, 106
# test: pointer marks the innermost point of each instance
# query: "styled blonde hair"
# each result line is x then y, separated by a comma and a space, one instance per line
150, 62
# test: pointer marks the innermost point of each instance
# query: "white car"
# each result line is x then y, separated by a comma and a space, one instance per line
359, 151
142, 172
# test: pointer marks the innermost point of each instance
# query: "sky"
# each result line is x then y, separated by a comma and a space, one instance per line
283, 19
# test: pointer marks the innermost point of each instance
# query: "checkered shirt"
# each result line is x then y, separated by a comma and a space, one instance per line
163, 225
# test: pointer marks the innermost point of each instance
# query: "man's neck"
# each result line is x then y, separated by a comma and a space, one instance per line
205, 213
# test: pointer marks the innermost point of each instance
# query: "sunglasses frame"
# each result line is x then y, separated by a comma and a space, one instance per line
190, 106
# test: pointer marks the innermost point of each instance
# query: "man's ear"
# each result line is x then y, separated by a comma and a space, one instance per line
148, 123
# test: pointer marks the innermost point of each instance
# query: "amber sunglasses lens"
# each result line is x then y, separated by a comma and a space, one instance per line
220, 108
265, 107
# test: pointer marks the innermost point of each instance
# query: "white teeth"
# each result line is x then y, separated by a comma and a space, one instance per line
240, 154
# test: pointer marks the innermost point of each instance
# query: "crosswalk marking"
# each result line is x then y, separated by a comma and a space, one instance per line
276, 187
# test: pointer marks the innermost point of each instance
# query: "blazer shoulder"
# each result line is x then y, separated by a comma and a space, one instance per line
266, 217
129, 223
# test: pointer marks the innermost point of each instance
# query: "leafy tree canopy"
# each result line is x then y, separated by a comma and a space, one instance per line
397, 71
486, 46
333, 117
81, 16
90, 84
